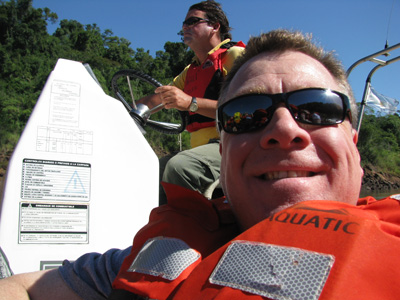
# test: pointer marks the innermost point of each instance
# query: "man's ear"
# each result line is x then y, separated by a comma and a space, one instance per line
216, 27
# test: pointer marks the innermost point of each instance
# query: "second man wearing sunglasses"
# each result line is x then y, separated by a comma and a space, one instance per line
206, 31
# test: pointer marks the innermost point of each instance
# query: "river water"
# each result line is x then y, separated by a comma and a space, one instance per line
379, 194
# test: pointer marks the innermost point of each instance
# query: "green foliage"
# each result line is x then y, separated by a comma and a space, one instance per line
379, 143
28, 54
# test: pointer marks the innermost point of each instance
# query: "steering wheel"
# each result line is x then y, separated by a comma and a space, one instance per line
122, 83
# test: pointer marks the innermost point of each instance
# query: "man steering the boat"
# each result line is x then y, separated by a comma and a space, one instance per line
206, 31
291, 225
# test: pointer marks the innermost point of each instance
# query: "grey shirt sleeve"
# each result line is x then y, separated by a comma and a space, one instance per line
92, 274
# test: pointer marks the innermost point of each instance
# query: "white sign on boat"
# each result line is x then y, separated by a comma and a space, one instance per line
81, 179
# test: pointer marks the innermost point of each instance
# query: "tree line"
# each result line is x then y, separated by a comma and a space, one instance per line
28, 53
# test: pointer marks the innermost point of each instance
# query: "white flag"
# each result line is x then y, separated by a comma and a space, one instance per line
381, 105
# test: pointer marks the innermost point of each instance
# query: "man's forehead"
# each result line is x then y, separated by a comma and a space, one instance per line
279, 72
195, 13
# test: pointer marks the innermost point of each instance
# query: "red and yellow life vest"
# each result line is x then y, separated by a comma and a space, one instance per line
312, 250
204, 81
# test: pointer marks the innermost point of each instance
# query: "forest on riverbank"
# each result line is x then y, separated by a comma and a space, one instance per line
28, 53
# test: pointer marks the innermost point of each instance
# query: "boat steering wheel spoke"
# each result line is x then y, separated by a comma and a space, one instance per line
129, 84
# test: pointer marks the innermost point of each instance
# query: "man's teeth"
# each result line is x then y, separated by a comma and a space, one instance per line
285, 174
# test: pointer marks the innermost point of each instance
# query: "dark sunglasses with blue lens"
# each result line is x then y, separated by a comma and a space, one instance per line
193, 20
315, 106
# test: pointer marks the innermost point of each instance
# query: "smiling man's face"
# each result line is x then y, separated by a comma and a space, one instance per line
286, 162
197, 34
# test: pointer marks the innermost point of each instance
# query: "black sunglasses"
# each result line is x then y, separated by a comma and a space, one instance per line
193, 20
315, 106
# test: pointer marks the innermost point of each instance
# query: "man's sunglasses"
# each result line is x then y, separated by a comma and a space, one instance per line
315, 106
193, 20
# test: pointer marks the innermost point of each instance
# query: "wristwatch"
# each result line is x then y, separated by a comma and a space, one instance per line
193, 105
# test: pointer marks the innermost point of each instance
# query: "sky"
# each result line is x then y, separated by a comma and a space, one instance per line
352, 28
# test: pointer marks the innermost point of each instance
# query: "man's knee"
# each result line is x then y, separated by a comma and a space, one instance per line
175, 167
193, 169
186, 171
176, 171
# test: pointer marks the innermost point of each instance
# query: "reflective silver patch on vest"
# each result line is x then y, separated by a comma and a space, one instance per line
164, 257
276, 272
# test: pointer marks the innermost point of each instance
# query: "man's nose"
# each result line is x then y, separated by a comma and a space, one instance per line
186, 26
284, 132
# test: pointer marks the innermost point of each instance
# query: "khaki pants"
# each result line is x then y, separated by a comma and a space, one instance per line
194, 169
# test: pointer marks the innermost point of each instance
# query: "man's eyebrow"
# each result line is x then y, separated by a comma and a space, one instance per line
263, 90
258, 90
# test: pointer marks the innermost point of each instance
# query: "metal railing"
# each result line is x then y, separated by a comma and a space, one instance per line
380, 64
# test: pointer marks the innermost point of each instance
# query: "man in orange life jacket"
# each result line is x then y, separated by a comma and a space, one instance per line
196, 90
292, 226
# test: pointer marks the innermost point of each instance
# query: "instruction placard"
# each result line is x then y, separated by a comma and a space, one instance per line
50, 223
64, 140
64, 103
55, 180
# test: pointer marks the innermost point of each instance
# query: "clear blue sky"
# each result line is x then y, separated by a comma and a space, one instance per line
353, 28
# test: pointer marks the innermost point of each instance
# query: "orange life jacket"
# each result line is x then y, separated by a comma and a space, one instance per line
205, 81
312, 250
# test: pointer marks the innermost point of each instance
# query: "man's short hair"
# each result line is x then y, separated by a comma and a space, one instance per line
282, 40
215, 14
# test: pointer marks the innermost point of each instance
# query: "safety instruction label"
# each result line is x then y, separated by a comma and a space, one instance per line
65, 103
53, 223
55, 180
64, 140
